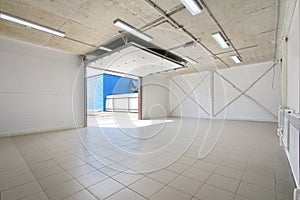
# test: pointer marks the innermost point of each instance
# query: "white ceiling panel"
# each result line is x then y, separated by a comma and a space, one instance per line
135, 60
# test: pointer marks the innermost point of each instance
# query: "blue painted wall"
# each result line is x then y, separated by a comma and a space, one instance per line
98, 87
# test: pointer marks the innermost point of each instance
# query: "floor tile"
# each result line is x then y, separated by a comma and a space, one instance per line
283, 196
146, 186
21, 191
234, 164
127, 178
105, 188
54, 180
130, 162
286, 187
255, 192
47, 171
82, 195
92, 178
186, 185
37, 196
169, 193
8, 182
259, 180
229, 172
110, 171
208, 192
63, 190
238, 156
164, 176
186, 160
81, 170
197, 174
205, 166
126, 194
225, 183
71, 163
42, 165
238, 197
177, 167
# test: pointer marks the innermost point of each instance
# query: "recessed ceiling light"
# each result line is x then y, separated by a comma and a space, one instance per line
193, 6
236, 59
31, 25
104, 48
220, 40
130, 29
190, 60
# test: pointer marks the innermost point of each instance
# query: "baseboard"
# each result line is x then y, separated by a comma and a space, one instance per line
39, 131
231, 119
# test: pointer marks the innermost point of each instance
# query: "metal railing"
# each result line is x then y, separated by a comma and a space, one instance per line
122, 103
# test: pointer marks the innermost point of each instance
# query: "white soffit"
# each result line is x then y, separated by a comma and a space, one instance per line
135, 60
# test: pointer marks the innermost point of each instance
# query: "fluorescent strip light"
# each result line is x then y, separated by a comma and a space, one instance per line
126, 27
28, 24
192, 5
236, 59
190, 60
104, 48
220, 40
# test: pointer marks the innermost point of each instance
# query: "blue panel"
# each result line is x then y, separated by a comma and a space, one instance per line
95, 93
117, 85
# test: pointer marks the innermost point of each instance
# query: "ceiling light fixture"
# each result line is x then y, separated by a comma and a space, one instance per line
31, 25
126, 27
236, 59
220, 40
104, 48
193, 6
190, 60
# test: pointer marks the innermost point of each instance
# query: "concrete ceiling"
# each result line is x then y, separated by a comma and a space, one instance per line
249, 24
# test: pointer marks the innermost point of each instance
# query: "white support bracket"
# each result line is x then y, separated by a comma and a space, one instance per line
243, 92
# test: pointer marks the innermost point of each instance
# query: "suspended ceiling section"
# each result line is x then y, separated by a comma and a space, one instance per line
135, 60
249, 24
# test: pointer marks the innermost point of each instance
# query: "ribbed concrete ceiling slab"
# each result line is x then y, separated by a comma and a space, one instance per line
166, 36
249, 24
167, 5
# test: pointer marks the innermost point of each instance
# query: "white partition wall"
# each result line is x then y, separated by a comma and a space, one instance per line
249, 92
40, 89
293, 71
154, 97
189, 95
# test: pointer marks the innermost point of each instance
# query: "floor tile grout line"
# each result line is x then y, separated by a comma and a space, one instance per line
167, 185
30, 169
97, 169
73, 178
244, 171
210, 174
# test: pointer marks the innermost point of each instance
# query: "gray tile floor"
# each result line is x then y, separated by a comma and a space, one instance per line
157, 160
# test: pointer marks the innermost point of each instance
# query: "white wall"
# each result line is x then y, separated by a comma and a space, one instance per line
223, 93
293, 72
154, 97
36, 88
293, 90
182, 106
